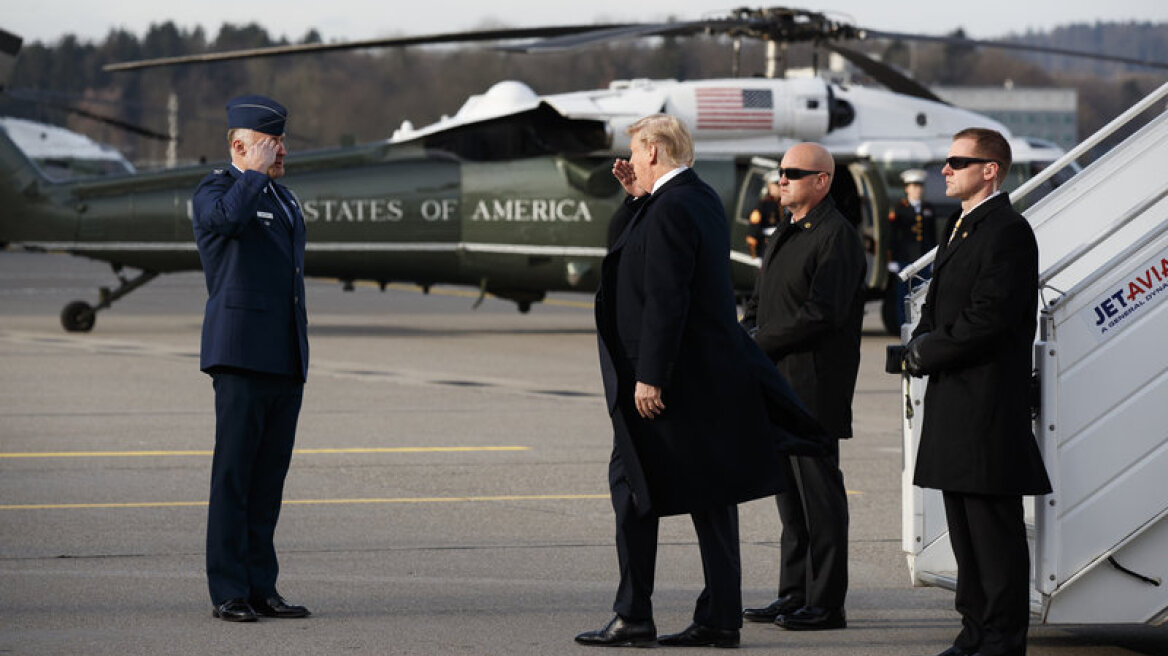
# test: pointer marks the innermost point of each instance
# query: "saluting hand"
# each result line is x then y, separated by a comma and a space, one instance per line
261, 154
624, 174
648, 400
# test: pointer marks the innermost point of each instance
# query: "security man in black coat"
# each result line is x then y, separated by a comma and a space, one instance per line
700, 418
975, 343
806, 314
250, 234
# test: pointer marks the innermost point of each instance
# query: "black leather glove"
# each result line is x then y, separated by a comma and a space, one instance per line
912, 357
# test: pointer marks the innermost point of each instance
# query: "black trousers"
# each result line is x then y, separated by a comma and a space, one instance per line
988, 534
814, 543
720, 603
255, 427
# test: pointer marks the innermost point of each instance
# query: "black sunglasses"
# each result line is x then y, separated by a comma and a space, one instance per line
958, 163
798, 174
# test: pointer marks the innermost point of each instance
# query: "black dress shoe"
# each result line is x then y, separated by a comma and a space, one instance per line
234, 610
620, 632
810, 618
701, 636
782, 606
275, 606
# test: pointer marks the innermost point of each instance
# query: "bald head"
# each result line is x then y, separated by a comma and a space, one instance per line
813, 155
812, 181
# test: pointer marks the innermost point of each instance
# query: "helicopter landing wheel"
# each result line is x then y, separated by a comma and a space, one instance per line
524, 306
78, 317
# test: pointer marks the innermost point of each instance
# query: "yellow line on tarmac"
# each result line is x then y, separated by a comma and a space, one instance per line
311, 502
136, 454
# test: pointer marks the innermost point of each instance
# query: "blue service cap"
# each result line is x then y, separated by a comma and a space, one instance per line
258, 113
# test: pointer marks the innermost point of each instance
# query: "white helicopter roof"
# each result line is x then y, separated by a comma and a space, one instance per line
40, 142
502, 99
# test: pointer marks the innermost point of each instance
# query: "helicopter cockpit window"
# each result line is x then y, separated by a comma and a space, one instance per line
60, 154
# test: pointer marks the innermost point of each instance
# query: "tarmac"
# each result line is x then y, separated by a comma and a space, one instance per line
448, 494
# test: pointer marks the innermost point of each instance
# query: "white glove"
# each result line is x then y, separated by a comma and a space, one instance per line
893, 267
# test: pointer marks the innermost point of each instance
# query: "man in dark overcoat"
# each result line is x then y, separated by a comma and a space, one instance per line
806, 314
250, 234
700, 417
975, 342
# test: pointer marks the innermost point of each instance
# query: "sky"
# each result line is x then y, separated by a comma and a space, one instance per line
342, 20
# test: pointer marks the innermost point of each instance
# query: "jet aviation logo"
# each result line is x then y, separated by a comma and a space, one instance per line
1134, 295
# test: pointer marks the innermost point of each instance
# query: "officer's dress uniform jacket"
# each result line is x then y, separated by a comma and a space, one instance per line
253, 259
914, 232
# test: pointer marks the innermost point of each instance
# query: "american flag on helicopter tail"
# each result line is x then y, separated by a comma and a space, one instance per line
734, 108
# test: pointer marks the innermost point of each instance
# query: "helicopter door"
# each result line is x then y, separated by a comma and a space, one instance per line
860, 195
752, 189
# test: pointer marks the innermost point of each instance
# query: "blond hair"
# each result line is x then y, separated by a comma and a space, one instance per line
672, 138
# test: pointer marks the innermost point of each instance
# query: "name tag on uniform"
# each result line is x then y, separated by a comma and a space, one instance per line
265, 215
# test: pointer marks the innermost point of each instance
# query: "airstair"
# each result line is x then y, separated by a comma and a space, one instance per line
1100, 540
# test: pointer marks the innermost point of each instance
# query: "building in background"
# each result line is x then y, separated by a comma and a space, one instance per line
1041, 112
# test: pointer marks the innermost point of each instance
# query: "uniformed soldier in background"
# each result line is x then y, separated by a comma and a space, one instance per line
765, 218
913, 233
250, 235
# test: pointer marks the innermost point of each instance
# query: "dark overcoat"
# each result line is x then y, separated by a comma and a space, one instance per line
976, 344
808, 307
253, 261
665, 316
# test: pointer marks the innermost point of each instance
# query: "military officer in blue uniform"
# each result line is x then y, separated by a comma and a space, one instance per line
913, 233
250, 234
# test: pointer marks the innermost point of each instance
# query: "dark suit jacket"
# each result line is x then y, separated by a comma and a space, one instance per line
808, 307
665, 316
253, 261
977, 335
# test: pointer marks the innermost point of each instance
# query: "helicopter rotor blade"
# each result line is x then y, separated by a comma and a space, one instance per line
891, 78
633, 31
778, 24
393, 42
592, 37
1006, 45
14, 94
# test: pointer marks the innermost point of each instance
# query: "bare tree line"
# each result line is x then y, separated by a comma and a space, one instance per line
351, 97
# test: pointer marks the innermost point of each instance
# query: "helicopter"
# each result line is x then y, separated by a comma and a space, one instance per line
513, 193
